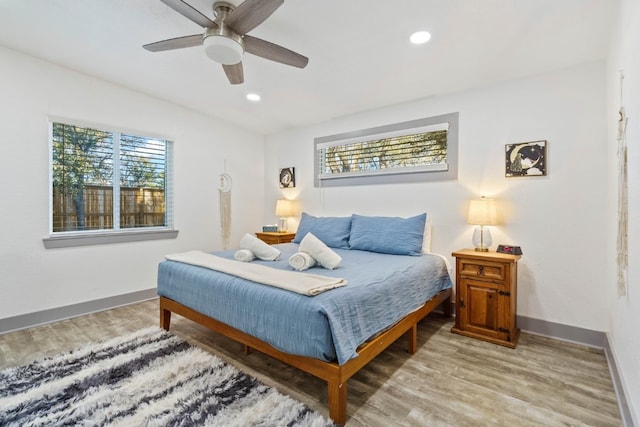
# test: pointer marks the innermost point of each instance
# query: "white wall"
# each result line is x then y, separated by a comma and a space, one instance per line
33, 278
559, 220
624, 313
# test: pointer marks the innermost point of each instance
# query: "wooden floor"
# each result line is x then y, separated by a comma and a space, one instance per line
451, 381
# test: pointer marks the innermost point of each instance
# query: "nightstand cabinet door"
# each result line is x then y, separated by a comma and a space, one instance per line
486, 285
480, 309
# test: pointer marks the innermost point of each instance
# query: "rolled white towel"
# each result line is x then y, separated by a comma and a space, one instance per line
301, 261
259, 248
319, 251
244, 255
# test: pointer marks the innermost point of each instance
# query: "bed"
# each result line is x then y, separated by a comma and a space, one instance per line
331, 335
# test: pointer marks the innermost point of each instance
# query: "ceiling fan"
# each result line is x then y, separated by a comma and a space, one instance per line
225, 39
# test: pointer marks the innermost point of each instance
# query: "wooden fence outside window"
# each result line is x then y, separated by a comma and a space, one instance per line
139, 207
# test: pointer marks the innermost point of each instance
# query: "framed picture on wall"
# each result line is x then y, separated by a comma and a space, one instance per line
287, 177
526, 159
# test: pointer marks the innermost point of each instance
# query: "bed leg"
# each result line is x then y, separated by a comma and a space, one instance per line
165, 318
446, 307
338, 402
413, 339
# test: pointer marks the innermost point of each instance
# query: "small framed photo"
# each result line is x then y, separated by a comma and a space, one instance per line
287, 177
526, 159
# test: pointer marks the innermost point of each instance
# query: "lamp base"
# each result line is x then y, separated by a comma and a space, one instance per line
481, 239
282, 227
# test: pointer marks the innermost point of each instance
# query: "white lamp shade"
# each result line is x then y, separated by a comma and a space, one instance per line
483, 212
223, 50
285, 208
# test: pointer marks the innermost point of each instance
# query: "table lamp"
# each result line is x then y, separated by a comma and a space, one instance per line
482, 212
284, 209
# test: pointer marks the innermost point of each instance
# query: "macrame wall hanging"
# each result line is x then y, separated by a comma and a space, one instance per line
623, 209
224, 189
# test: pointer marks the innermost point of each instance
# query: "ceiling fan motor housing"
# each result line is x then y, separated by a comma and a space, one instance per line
221, 43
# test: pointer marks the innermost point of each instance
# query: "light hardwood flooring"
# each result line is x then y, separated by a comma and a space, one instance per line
451, 381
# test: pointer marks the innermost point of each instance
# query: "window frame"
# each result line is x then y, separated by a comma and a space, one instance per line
401, 175
61, 239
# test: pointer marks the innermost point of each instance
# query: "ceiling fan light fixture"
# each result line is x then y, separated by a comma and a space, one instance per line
223, 49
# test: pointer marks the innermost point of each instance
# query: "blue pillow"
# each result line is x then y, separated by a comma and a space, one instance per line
387, 235
332, 231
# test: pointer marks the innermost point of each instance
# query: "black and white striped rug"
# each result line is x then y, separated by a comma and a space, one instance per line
148, 378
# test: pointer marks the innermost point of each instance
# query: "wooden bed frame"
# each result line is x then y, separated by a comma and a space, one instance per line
335, 375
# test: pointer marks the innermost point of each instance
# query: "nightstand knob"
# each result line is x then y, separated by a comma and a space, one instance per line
461, 302
481, 270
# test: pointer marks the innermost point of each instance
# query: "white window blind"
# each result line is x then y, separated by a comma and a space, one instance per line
143, 172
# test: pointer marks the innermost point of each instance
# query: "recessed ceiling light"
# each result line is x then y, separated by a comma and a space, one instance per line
420, 37
253, 97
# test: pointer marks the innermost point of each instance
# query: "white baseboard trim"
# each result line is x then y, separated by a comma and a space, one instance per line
61, 313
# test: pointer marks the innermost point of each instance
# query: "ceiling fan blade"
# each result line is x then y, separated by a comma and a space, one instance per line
251, 13
274, 52
175, 43
234, 73
189, 12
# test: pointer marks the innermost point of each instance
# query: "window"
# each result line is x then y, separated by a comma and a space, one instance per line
107, 182
418, 150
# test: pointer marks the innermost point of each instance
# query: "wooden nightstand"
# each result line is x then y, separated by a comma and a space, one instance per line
275, 237
486, 295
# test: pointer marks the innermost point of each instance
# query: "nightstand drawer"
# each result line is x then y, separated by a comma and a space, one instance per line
486, 269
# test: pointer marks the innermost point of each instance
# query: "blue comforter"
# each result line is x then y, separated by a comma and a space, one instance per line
381, 290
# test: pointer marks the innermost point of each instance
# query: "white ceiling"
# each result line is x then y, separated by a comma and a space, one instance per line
360, 56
